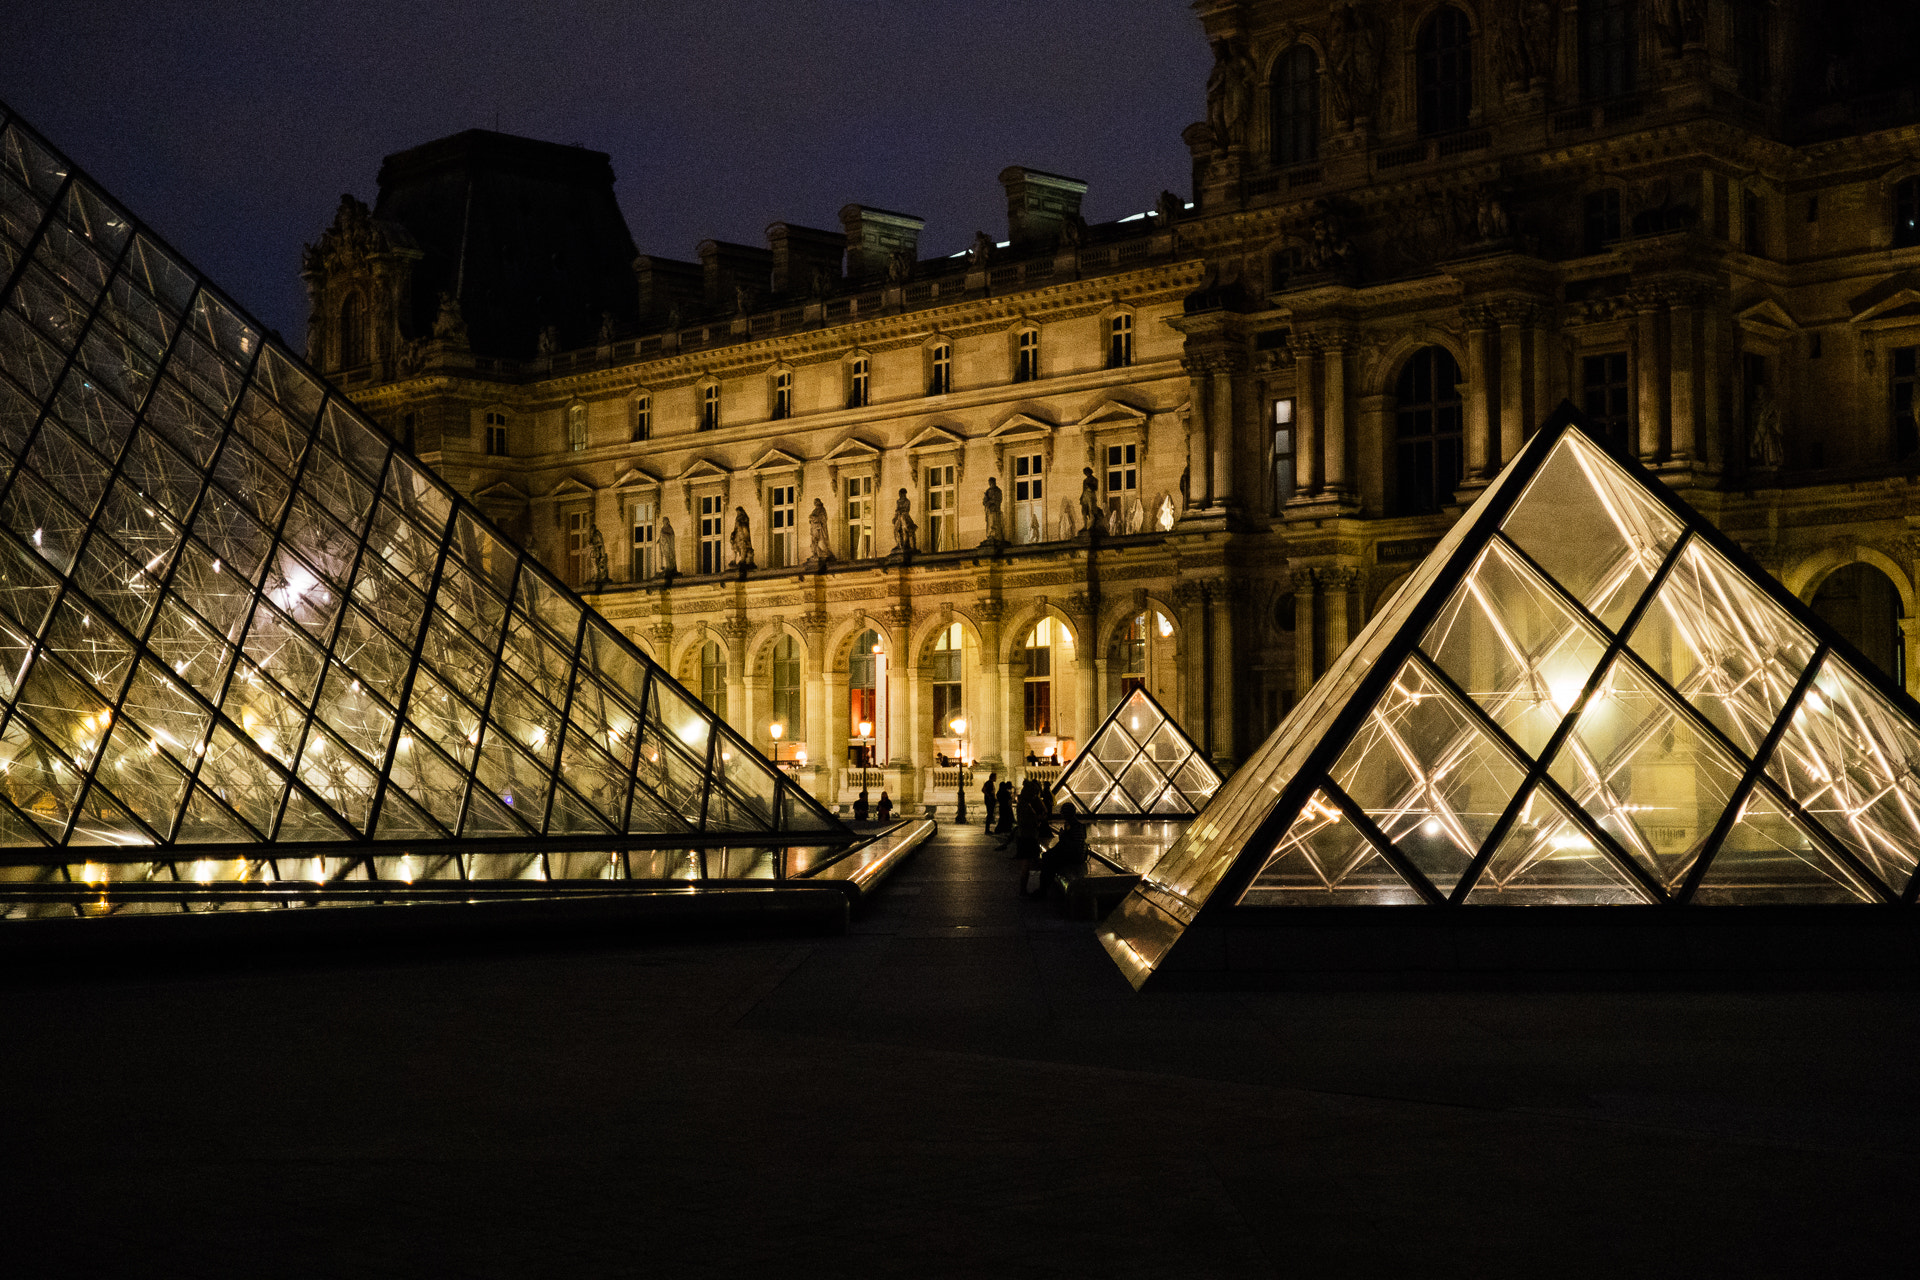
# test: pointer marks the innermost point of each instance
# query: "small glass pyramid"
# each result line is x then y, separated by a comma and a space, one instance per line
233, 613
1584, 696
1140, 766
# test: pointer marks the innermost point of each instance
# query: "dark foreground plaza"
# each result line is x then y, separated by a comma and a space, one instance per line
963, 1085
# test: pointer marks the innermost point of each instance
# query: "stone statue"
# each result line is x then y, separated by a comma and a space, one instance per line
741, 540
1167, 209
673, 315
899, 266
822, 283
449, 323
1526, 47
1092, 517
904, 528
980, 251
663, 543
1490, 215
1229, 94
742, 301
548, 341
990, 503
1066, 517
1764, 447
598, 546
1680, 23
1072, 227
1353, 64
606, 328
817, 532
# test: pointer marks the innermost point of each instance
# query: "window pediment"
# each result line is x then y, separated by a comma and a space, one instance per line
1896, 297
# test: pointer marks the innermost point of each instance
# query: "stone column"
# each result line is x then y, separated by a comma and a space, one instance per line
1479, 416
1339, 583
1647, 380
899, 690
1306, 424
1910, 628
1680, 376
1190, 606
1513, 382
818, 730
1086, 676
1227, 713
1334, 418
1224, 430
1302, 633
839, 694
988, 707
738, 712
1199, 435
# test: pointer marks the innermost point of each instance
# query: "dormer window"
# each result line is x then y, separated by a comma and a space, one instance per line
1906, 213
941, 380
496, 425
710, 407
783, 394
576, 428
859, 382
1120, 341
1026, 362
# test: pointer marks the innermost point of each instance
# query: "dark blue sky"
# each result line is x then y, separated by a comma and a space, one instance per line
233, 128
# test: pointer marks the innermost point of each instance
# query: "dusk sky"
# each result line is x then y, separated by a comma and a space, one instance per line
233, 128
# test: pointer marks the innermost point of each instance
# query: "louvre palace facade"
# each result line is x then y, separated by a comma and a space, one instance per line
912, 508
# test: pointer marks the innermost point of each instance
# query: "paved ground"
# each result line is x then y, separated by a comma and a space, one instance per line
961, 1087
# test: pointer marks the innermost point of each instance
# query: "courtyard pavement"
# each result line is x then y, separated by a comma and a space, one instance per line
961, 1086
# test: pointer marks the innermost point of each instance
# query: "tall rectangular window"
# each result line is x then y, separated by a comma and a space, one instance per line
943, 675
579, 548
496, 424
1123, 484
1600, 220
1749, 35
576, 428
643, 418
1906, 401
941, 513
1607, 399
1906, 213
1029, 498
940, 380
1120, 342
783, 544
1295, 101
1753, 227
783, 394
1026, 362
860, 518
1606, 48
710, 408
859, 383
1282, 453
1037, 687
642, 566
713, 534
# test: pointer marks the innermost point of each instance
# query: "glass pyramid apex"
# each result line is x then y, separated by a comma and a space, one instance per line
1585, 695
234, 612
1140, 765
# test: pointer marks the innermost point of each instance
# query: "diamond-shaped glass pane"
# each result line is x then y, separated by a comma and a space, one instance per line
1323, 859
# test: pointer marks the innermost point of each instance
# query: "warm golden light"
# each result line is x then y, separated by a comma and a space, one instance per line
776, 729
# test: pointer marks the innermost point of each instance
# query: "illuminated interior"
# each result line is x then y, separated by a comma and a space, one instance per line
1140, 765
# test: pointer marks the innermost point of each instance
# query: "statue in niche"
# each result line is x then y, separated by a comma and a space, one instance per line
547, 343
1490, 220
980, 252
1072, 228
1764, 448
1092, 517
663, 543
598, 546
822, 283
817, 532
1353, 65
1327, 250
1526, 49
1066, 517
899, 266
449, 323
741, 540
990, 503
1229, 93
904, 527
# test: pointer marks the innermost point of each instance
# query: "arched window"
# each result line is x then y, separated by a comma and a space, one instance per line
1039, 678
940, 370
1135, 650
783, 394
944, 676
859, 382
353, 333
643, 418
788, 707
1443, 68
1906, 213
1295, 98
863, 702
713, 678
1026, 358
1427, 431
1862, 604
576, 428
710, 408
1606, 48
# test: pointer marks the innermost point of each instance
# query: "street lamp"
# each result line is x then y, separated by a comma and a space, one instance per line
776, 729
866, 744
959, 726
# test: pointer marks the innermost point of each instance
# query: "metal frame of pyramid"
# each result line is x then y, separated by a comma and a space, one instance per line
1117, 775
234, 613
1585, 696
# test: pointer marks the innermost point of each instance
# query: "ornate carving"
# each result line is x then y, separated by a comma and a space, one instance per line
1353, 64
1338, 577
814, 621
898, 617
662, 633
1080, 604
989, 608
1302, 581
1229, 93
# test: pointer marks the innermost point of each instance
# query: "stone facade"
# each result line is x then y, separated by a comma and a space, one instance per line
1416, 229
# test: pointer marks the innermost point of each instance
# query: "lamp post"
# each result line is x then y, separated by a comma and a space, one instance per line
866, 745
776, 729
959, 726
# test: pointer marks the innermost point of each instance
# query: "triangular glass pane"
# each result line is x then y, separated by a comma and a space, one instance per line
1112, 746
1592, 528
1170, 803
1428, 775
1768, 857
38, 781
595, 776
513, 778
1851, 761
136, 769
424, 774
1514, 647
1324, 859
305, 820
675, 782
207, 821
485, 816
650, 813
338, 777
1546, 858
241, 778
573, 816
1731, 652
102, 820
1651, 778
401, 819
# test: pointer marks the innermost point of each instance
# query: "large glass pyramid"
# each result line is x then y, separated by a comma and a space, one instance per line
233, 613
1585, 695
1140, 765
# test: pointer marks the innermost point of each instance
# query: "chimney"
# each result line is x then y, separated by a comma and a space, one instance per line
664, 283
874, 235
730, 266
798, 252
1037, 203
